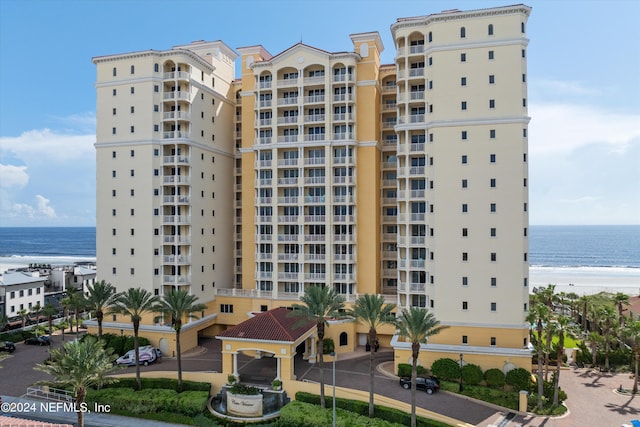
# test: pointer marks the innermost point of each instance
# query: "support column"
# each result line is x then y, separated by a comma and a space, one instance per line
278, 369
312, 353
235, 365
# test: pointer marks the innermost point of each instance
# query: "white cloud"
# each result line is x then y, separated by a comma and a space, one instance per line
43, 207
561, 128
45, 146
13, 176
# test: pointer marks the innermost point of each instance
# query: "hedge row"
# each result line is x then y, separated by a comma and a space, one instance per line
391, 415
160, 383
121, 343
404, 370
190, 403
300, 414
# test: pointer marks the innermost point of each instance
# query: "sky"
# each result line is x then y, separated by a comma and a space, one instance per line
583, 81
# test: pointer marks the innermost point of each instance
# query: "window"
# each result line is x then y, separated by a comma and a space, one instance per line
113, 231
525, 257
492, 103
463, 134
465, 339
132, 172
464, 183
113, 154
132, 153
133, 69
430, 38
156, 68
132, 231
494, 256
156, 128
490, 29
156, 88
522, 27
133, 90
493, 341
343, 339
494, 306
113, 270
524, 102
465, 281
113, 131
492, 183
465, 256
492, 158
524, 55
492, 79
132, 212
463, 81
132, 271
133, 129
463, 57
465, 305
133, 109
113, 111
525, 232
464, 159
526, 307
463, 32
465, 232
525, 182
115, 71
464, 207
226, 308
114, 92
524, 78
156, 108
494, 282
492, 133
463, 105
525, 206
113, 212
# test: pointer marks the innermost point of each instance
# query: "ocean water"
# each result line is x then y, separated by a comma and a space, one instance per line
581, 259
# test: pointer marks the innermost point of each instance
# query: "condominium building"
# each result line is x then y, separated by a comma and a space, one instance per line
316, 168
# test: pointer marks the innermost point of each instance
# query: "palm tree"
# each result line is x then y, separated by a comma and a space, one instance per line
49, 311
100, 296
595, 341
76, 302
416, 325
134, 302
632, 331
319, 304
178, 304
561, 327
79, 365
23, 315
619, 300
539, 315
606, 314
372, 312
584, 304
35, 310
4, 321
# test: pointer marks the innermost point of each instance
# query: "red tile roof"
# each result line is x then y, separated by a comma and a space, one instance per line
273, 325
19, 422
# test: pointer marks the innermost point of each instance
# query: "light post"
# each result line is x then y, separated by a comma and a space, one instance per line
334, 356
460, 386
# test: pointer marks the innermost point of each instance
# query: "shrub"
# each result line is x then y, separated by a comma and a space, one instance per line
494, 378
446, 369
404, 370
159, 383
519, 379
239, 388
188, 403
472, 374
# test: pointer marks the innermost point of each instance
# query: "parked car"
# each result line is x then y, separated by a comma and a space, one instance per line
8, 346
42, 340
147, 355
430, 385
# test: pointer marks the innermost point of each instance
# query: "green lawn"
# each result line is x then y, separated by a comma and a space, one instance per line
568, 342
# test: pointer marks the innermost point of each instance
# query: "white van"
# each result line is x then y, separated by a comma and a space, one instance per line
147, 355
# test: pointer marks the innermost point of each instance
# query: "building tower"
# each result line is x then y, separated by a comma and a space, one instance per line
164, 154
462, 174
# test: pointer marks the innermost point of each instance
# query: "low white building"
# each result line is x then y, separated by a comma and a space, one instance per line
21, 291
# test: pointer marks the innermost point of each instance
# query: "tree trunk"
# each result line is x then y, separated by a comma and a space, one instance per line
136, 326
636, 357
372, 364
556, 380
320, 328
607, 346
99, 317
547, 356
415, 350
594, 353
179, 359
80, 396
540, 362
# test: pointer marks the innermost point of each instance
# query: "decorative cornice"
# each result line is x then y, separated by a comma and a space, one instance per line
155, 53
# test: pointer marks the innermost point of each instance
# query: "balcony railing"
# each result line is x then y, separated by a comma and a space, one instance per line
287, 181
342, 78
288, 200
314, 161
313, 179
314, 218
176, 280
287, 120
176, 179
315, 136
176, 115
292, 100
315, 99
174, 238
314, 118
179, 219
288, 237
178, 259
175, 135
288, 218
315, 238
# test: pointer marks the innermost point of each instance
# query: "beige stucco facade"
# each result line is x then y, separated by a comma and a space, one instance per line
315, 168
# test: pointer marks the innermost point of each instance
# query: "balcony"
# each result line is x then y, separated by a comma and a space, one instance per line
183, 160
265, 182
264, 200
416, 170
343, 218
176, 219
264, 103
287, 82
175, 135
177, 95
285, 275
391, 140
315, 276
313, 179
315, 136
288, 138
176, 115
341, 97
288, 218
314, 161
176, 179
343, 161
265, 237
293, 100
344, 238
174, 280
315, 257
343, 180
343, 199
264, 274
175, 199
265, 122
288, 200
389, 89
264, 163
343, 277
314, 218
342, 78
265, 84
175, 238
287, 181
389, 183
314, 118
263, 255
176, 75
177, 259
416, 72
262, 219
413, 118
287, 120
389, 123
314, 199
411, 287
264, 140
288, 162
343, 257
315, 238
315, 99
288, 237
343, 117
288, 257
389, 105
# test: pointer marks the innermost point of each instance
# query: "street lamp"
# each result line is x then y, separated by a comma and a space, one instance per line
333, 355
460, 387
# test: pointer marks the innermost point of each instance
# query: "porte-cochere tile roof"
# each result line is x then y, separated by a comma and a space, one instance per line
274, 325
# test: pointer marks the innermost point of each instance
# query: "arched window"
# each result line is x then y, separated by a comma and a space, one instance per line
490, 29
522, 27
343, 338
133, 69
463, 32
430, 37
